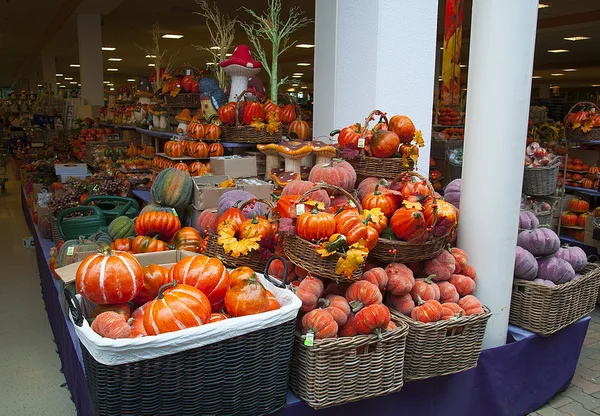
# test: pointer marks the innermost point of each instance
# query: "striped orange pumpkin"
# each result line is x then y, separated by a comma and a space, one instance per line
300, 128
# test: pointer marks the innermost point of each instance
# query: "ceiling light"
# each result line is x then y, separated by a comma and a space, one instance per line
59, 75
595, 85
130, 79
112, 69
62, 86
295, 85
58, 83
150, 56
558, 50
576, 38
79, 85
296, 76
215, 48
305, 45
74, 65
106, 82
73, 82
536, 76
570, 70
112, 89
304, 87
68, 79
543, 6
115, 59
298, 73
303, 64
228, 54
557, 75
170, 36
111, 85
463, 66
151, 65
39, 85
291, 89
210, 63
108, 48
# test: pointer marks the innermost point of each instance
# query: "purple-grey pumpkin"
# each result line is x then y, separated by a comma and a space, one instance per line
575, 256
544, 282
452, 192
528, 220
526, 266
539, 242
579, 276
229, 199
555, 269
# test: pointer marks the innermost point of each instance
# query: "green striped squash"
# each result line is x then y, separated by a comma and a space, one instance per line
121, 227
154, 207
68, 251
172, 187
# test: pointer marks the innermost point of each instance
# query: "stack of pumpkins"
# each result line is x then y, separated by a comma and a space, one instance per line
573, 221
540, 258
579, 174
435, 175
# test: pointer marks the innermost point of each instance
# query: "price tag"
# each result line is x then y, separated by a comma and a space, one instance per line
299, 209
361, 143
310, 338
70, 251
352, 204
175, 213
188, 72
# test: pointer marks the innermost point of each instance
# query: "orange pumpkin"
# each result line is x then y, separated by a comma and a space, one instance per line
582, 219
403, 127
199, 149
577, 177
409, 224
384, 200
587, 183
216, 149
288, 114
579, 205
154, 277
568, 218
446, 216
299, 130
174, 148
226, 113
195, 129
181, 166
247, 297
212, 132
594, 170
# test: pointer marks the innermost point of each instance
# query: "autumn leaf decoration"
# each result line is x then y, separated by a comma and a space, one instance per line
271, 127
230, 243
355, 256
418, 138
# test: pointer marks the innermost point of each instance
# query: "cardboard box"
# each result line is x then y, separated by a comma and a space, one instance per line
71, 169
233, 166
256, 187
588, 239
164, 258
589, 224
206, 191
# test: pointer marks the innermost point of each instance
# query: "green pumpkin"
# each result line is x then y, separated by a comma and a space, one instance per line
121, 227
172, 187
101, 238
154, 207
68, 251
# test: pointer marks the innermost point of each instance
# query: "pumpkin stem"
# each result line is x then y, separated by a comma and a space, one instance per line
378, 332
335, 245
419, 301
314, 209
377, 191
334, 132
355, 305
383, 182
367, 219
323, 303
254, 219
236, 204
429, 279
339, 210
165, 287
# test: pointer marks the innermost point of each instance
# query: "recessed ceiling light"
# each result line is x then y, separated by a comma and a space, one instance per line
112, 89
151, 65
68, 79
543, 6
303, 64
150, 56
291, 89
115, 59
79, 85
595, 85
576, 38
210, 63
113, 69
228, 54
106, 82
111, 85
130, 79
536, 76
74, 65
108, 48
441, 48
558, 50
296, 76
305, 45
39, 85
304, 87
463, 66
62, 86
171, 36
59, 75
58, 83
72, 82
557, 75
298, 73
215, 48
570, 70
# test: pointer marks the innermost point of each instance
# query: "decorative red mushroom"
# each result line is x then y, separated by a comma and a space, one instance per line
240, 66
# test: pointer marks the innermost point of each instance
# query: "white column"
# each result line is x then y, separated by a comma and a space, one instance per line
49, 71
493, 157
366, 60
89, 37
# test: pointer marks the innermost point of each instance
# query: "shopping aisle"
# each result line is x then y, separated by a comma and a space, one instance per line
30, 379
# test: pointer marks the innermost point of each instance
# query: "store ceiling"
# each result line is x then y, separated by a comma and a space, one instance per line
128, 22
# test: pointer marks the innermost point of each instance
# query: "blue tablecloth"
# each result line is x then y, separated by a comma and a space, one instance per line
510, 380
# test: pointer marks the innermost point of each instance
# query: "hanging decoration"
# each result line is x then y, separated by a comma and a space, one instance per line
450, 91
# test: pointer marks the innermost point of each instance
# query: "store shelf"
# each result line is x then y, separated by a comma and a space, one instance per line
142, 195
159, 134
590, 192
443, 126
124, 127
181, 158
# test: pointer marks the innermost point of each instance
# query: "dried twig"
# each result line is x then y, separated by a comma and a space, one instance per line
158, 56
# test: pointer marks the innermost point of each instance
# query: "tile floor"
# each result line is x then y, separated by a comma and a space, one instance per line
32, 384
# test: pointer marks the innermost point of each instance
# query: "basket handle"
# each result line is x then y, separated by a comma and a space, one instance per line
326, 186
276, 282
237, 105
402, 175
268, 203
74, 307
370, 117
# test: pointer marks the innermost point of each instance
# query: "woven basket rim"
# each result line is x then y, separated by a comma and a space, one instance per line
553, 165
461, 321
592, 273
431, 240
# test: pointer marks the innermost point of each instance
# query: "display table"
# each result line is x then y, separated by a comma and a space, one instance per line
510, 380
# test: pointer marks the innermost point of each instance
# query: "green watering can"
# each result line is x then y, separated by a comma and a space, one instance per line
114, 206
72, 228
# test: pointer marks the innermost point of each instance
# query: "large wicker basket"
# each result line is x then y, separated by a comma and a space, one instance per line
395, 251
256, 259
541, 181
443, 347
545, 310
340, 370
578, 134
245, 134
301, 252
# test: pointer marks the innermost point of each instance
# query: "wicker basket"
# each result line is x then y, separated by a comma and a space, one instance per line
578, 135
340, 370
395, 251
301, 252
443, 347
256, 259
184, 100
246, 134
541, 181
379, 167
545, 310
56, 237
